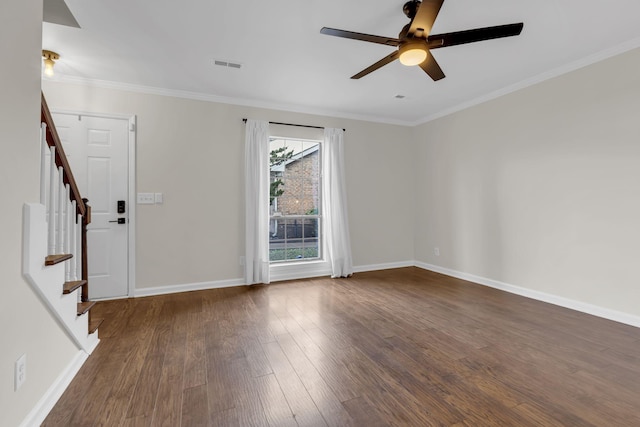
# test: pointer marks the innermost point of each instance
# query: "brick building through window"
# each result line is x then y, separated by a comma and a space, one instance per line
294, 200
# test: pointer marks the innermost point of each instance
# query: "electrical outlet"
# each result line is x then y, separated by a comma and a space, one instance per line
436, 251
159, 198
20, 371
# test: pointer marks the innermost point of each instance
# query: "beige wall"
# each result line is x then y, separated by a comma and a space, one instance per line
192, 151
540, 188
536, 189
25, 325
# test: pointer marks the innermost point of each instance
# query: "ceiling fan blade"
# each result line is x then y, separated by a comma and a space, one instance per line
478, 34
425, 17
389, 41
384, 61
431, 67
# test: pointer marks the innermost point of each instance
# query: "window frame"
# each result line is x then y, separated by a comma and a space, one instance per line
320, 259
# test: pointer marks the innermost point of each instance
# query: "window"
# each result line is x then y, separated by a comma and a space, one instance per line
295, 223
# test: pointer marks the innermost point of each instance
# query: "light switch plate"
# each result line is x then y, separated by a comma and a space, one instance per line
20, 372
159, 198
146, 198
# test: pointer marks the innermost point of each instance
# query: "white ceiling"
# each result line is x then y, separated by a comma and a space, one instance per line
287, 64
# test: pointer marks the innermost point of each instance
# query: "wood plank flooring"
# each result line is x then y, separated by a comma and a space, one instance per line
402, 347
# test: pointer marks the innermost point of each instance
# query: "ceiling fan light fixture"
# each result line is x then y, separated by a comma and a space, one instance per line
49, 61
413, 53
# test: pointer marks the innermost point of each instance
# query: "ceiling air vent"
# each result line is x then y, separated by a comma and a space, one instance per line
228, 64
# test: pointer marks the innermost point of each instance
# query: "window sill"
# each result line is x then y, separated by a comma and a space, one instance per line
299, 270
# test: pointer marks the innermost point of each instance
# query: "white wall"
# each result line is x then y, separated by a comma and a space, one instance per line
192, 151
25, 325
540, 188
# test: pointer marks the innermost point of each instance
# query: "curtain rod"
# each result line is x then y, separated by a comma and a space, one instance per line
293, 124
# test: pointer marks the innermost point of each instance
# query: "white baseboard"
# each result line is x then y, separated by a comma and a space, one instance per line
385, 266
277, 274
187, 287
583, 307
298, 270
324, 269
48, 401
616, 316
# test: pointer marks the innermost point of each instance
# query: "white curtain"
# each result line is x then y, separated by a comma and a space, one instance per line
334, 199
256, 170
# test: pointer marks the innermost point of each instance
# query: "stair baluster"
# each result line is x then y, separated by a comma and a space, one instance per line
86, 220
67, 233
61, 206
79, 253
43, 164
52, 204
73, 218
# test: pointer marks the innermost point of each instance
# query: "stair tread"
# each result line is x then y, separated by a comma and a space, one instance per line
94, 324
85, 306
56, 259
72, 286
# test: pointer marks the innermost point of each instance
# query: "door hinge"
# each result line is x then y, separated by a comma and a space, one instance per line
132, 127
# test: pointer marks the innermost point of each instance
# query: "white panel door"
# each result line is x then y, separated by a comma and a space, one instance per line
97, 149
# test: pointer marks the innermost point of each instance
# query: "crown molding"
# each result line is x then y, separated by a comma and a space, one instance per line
197, 96
547, 75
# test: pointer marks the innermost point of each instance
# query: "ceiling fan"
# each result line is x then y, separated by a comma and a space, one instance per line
415, 41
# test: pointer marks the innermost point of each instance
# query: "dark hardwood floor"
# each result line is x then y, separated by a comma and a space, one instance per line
400, 347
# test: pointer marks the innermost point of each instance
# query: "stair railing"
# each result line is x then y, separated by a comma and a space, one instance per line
68, 214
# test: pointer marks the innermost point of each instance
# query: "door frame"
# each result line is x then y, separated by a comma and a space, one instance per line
131, 189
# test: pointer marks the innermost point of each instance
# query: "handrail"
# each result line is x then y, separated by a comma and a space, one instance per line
82, 207
53, 140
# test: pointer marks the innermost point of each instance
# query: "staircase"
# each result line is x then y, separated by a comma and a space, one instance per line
55, 242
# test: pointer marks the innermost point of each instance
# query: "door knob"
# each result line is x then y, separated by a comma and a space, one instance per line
120, 220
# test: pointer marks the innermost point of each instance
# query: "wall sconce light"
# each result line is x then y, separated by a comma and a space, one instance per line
49, 61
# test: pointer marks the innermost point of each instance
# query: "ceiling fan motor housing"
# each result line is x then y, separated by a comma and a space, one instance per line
410, 8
